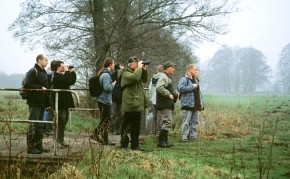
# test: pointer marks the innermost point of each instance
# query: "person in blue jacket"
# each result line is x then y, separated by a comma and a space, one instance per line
105, 102
191, 102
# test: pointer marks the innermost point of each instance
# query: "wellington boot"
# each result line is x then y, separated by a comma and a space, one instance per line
166, 139
162, 140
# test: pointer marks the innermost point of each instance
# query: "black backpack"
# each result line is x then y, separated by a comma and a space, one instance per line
95, 87
117, 91
154, 81
24, 94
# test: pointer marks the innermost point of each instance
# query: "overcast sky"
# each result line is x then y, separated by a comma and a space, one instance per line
263, 24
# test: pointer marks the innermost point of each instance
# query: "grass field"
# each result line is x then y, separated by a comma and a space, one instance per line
246, 137
239, 137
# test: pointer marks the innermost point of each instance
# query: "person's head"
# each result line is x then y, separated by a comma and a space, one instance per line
192, 70
59, 66
169, 67
109, 63
159, 68
133, 62
118, 66
42, 60
52, 65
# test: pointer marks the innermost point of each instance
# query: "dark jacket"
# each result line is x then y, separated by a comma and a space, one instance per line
63, 81
36, 78
164, 88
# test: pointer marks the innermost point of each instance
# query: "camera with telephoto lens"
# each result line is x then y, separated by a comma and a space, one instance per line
146, 62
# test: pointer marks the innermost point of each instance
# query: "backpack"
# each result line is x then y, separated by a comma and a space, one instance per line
117, 91
154, 81
95, 87
24, 94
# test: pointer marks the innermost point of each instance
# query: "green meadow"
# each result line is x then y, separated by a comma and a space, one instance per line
246, 136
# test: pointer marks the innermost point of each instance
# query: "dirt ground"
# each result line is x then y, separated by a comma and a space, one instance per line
15, 146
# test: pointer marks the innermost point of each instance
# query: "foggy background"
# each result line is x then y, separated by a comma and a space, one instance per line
246, 59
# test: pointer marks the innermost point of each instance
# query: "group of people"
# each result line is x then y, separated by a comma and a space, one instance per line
134, 101
163, 97
62, 77
127, 112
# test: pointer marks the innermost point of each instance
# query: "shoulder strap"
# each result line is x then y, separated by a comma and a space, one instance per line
36, 72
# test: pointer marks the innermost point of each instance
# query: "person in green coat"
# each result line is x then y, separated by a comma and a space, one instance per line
134, 101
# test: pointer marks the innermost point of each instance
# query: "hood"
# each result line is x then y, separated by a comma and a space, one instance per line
121, 71
156, 76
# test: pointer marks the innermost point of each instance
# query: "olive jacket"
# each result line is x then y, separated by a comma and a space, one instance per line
133, 98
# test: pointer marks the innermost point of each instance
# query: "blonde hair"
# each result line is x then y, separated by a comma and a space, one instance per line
159, 68
190, 66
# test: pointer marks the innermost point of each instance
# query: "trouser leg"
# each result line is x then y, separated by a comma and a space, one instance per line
62, 121
135, 118
194, 125
155, 126
104, 125
34, 131
119, 117
125, 128
185, 127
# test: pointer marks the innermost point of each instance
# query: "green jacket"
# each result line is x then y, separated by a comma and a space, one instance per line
134, 98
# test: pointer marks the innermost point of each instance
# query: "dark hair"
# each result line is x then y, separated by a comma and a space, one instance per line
53, 65
108, 61
117, 67
40, 56
57, 64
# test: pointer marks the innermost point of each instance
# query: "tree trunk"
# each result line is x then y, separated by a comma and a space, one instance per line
125, 42
99, 32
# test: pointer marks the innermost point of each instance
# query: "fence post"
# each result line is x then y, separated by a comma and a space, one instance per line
56, 125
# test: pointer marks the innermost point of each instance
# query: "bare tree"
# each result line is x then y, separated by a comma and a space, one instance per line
283, 75
232, 68
87, 30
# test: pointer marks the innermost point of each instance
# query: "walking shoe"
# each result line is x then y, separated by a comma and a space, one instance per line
184, 140
33, 151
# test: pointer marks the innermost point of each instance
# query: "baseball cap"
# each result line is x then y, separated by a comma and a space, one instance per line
132, 59
168, 64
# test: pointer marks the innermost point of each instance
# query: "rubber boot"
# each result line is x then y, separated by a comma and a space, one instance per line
31, 149
39, 146
166, 139
162, 140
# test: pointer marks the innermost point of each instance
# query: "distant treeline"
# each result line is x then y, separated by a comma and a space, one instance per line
10, 81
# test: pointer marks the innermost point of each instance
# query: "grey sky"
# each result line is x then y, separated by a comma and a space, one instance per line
263, 24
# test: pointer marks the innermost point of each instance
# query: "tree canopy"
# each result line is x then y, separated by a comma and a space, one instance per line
85, 31
234, 69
